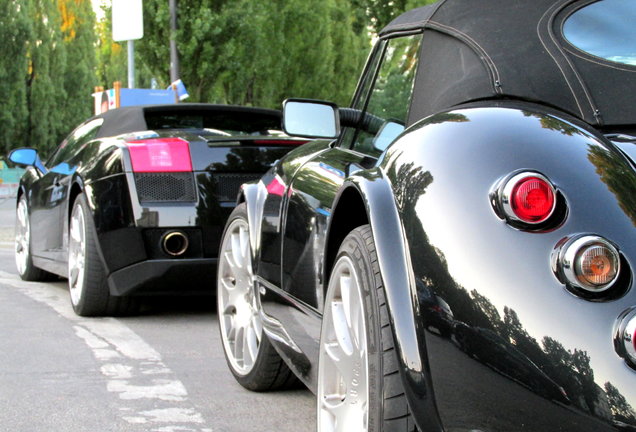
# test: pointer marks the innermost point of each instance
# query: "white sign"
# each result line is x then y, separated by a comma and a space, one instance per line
128, 20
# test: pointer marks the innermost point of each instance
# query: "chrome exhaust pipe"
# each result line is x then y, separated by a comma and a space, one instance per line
175, 243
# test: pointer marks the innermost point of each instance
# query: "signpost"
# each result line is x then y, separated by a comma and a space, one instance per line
128, 25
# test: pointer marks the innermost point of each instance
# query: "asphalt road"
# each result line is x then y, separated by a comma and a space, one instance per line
161, 371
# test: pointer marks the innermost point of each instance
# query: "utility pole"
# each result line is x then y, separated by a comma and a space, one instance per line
174, 55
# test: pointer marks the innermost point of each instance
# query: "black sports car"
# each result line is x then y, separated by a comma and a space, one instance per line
457, 253
133, 202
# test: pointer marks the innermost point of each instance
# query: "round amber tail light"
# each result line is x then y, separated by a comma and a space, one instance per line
590, 263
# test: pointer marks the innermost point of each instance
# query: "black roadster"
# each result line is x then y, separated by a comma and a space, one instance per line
456, 253
133, 202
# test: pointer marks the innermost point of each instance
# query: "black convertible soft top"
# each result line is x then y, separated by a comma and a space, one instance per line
150, 117
513, 49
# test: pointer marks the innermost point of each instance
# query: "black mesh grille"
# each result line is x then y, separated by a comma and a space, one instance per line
153, 187
228, 185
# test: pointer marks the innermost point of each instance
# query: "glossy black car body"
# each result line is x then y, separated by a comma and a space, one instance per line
490, 335
156, 232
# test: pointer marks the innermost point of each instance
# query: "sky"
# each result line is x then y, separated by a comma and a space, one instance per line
97, 9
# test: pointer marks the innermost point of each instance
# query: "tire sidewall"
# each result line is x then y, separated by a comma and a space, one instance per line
364, 262
94, 296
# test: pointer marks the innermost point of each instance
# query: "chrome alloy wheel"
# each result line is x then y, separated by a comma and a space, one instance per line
343, 376
241, 325
22, 237
77, 254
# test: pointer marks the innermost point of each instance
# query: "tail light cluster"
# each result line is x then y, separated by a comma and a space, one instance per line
160, 155
587, 264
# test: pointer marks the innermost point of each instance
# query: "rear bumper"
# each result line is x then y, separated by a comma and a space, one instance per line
165, 276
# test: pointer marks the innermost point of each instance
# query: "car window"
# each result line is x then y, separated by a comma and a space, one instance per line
384, 106
605, 29
80, 136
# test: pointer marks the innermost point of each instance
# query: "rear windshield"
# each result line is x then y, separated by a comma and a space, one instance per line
216, 123
605, 29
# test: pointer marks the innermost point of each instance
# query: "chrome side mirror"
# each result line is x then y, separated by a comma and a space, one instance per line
311, 118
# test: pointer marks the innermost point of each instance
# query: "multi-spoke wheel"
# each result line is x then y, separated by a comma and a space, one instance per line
252, 359
344, 359
359, 386
88, 289
23, 257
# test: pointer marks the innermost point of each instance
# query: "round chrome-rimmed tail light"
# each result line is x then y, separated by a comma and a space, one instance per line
625, 336
528, 197
590, 263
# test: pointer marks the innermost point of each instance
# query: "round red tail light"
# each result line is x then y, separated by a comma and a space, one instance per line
528, 197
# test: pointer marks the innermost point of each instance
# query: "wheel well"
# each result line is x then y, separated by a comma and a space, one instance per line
350, 213
75, 191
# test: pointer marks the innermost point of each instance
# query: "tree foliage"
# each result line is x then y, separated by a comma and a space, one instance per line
111, 55
231, 51
78, 31
15, 29
48, 72
257, 53
45, 90
381, 12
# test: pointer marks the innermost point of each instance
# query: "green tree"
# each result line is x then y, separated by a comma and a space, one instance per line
380, 12
60, 74
78, 80
111, 56
257, 53
15, 32
621, 409
47, 59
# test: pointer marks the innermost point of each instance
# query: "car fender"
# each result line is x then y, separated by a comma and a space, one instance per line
254, 195
487, 274
399, 285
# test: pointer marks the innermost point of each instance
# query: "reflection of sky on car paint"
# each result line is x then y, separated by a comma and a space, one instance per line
605, 29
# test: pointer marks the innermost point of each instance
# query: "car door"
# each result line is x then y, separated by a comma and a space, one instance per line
49, 195
383, 100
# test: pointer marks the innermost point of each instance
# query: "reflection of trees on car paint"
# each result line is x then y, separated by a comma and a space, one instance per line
474, 324
617, 175
248, 159
555, 124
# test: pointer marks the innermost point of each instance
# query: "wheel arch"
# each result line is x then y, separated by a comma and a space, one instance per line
367, 197
76, 189
253, 195
349, 213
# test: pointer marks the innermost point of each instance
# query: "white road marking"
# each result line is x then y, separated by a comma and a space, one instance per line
134, 371
167, 390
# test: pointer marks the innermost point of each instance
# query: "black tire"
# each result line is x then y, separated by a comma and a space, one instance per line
23, 257
388, 410
263, 370
88, 289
